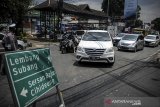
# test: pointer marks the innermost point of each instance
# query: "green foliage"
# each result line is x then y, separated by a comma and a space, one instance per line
116, 8
134, 23
13, 9
156, 24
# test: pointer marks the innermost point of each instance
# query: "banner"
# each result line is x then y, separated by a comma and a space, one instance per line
130, 8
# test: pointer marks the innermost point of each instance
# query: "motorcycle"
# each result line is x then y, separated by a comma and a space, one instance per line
68, 43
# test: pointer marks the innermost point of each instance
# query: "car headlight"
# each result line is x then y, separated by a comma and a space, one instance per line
133, 44
110, 50
80, 49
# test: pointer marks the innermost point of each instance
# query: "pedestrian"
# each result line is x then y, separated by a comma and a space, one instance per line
9, 41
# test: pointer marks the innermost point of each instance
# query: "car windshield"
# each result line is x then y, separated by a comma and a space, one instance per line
130, 37
151, 37
96, 36
120, 35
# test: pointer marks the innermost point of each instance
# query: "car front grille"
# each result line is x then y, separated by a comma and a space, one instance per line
125, 44
94, 52
146, 42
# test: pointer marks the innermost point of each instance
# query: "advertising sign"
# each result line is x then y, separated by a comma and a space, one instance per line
130, 8
31, 75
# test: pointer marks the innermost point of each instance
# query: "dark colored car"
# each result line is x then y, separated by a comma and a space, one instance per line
117, 38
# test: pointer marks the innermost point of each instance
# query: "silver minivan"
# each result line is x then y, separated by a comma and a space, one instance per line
152, 40
131, 42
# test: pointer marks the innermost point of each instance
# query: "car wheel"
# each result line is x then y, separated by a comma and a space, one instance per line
20, 47
142, 47
60, 48
135, 49
63, 50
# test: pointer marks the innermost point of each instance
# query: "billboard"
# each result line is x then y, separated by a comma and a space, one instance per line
130, 8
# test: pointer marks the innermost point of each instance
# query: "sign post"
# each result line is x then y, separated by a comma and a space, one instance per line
31, 75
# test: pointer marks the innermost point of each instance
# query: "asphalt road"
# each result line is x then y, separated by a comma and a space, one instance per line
89, 84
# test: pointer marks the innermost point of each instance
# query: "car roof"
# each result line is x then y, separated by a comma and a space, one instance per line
133, 34
123, 33
152, 35
97, 31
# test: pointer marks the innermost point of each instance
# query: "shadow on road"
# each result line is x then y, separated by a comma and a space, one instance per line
93, 64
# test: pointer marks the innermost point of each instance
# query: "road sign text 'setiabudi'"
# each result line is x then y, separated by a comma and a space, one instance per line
31, 75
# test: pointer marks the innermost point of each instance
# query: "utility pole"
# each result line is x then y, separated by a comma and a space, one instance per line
108, 9
136, 14
108, 12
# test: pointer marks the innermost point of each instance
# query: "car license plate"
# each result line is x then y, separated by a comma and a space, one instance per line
94, 58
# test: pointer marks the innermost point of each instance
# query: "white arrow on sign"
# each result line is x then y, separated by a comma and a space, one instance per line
24, 92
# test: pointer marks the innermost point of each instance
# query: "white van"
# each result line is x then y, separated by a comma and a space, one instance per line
96, 46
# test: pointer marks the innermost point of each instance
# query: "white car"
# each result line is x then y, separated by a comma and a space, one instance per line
21, 44
96, 46
151, 40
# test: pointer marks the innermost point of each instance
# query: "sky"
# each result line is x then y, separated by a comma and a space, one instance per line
150, 9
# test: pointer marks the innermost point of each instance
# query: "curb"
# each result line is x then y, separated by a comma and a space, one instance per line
154, 57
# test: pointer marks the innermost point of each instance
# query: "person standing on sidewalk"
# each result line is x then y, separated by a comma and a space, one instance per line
9, 41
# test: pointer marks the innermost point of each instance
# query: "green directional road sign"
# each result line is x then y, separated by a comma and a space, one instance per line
31, 75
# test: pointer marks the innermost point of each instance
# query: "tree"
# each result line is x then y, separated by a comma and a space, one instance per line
134, 23
116, 7
14, 10
156, 24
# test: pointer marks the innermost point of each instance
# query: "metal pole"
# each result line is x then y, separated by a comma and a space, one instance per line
137, 11
108, 9
60, 97
136, 14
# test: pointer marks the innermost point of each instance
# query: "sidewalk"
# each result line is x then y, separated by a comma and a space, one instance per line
5, 95
39, 44
155, 58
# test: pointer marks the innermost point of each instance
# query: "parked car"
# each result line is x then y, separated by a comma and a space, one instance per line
152, 40
131, 42
117, 38
96, 46
21, 44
